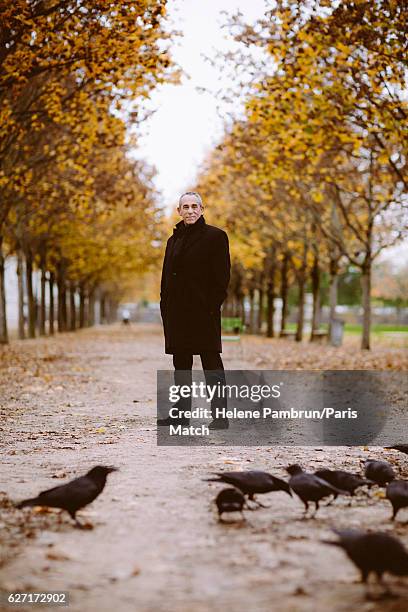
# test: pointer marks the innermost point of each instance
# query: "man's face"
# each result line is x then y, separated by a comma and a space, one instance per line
190, 210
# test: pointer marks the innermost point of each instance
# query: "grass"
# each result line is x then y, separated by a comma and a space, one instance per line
351, 328
378, 328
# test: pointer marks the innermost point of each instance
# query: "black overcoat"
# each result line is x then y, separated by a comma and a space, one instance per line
194, 282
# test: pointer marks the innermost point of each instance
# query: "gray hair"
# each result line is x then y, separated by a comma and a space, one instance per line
193, 193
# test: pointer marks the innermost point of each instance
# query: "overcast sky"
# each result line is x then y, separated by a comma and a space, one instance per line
186, 124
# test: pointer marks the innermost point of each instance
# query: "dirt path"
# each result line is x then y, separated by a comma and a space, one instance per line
78, 400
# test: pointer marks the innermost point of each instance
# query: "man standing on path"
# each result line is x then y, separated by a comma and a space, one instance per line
195, 277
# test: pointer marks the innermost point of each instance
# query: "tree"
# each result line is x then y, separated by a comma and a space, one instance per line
66, 69
335, 105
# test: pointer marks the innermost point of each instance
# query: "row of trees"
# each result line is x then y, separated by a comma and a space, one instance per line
73, 203
313, 177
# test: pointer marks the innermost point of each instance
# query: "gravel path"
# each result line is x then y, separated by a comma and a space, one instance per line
89, 398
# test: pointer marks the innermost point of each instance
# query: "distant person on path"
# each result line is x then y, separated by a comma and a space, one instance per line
195, 277
125, 317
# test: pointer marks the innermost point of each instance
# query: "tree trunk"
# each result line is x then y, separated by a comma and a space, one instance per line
316, 295
242, 308
251, 310
82, 298
366, 303
270, 333
109, 309
260, 309
62, 298
271, 310
284, 292
333, 291
112, 310
51, 311
30, 295
41, 323
237, 305
72, 312
91, 307
115, 305
20, 286
301, 302
3, 314
103, 309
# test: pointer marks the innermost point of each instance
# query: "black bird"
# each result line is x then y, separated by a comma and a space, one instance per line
73, 495
309, 487
373, 552
230, 500
380, 472
403, 448
397, 493
347, 481
252, 482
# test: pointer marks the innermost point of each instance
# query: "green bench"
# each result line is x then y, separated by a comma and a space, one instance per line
232, 327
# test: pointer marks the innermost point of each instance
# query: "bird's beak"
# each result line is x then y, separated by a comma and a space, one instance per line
111, 468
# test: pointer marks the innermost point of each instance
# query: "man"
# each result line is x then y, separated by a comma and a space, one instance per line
195, 277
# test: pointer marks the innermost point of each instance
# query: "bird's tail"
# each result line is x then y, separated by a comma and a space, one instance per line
332, 543
284, 486
334, 489
28, 502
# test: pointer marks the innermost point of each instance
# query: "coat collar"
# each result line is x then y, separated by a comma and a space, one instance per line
191, 232
180, 227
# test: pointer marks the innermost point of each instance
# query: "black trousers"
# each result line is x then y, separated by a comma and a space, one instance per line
213, 371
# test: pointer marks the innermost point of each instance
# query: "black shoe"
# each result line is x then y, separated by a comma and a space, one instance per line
173, 421
219, 424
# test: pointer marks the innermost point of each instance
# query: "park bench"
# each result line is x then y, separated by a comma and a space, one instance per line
319, 334
232, 328
287, 333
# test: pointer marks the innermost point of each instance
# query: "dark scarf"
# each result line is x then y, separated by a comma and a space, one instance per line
182, 234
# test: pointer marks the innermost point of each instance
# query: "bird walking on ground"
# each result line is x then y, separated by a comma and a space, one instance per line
252, 482
380, 472
347, 481
73, 495
397, 493
309, 487
374, 552
230, 500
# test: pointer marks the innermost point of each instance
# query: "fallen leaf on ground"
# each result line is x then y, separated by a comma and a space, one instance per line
55, 556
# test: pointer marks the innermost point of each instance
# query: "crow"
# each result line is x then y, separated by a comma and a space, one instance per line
230, 500
380, 472
309, 487
375, 552
347, 481
397, 493
403, 448
73, 495
252, 482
